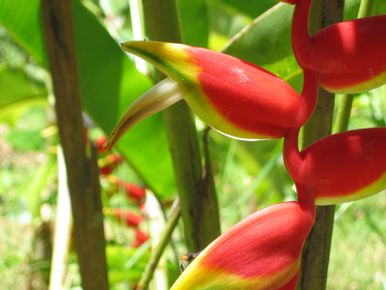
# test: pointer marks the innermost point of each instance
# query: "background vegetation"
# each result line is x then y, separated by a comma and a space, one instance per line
248, 176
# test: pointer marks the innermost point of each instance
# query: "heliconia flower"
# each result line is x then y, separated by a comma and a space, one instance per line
339, 168
130, 218
233, 96
262, 252
347, 57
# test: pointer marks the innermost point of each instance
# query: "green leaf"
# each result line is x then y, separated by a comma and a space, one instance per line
16, 86
109, 82
22, 20
267, 39
251, 8
194, 22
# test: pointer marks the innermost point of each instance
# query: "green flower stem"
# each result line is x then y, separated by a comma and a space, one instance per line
199, 208
82, 170
160, 248
365, 8
317, 247
344, 111
316, 250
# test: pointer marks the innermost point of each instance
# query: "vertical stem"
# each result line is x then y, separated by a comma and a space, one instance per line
316, 250
82, 172
365, 8
156, 255
199, 209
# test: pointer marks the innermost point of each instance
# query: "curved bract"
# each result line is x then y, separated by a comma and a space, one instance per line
261, 252
233, 96
341, 167
346, 57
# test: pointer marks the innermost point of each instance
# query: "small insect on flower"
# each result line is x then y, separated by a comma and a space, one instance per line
185, 260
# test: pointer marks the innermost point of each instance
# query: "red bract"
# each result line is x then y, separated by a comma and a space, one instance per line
347, 56
134, 192
130, 218
140, 238
262, 252
100, 144
109, 163
233, 96
339, 168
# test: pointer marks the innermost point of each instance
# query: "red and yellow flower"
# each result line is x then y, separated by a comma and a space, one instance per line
341, 167
233, 96
346, 57
261, 252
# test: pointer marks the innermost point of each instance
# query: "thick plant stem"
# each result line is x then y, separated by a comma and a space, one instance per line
344, 112
316, 250
82, 171
160, 248
199, 208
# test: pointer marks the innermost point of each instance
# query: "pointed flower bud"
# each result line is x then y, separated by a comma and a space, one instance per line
346, 57
261, 252
233, 96
341, 167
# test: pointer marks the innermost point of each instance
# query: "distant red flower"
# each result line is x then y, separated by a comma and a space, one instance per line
140, 238
130, 218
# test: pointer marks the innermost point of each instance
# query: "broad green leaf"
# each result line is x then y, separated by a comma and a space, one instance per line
22, 20
225, 21
251, 8
267, 38
194, 22
16, 86
109, 82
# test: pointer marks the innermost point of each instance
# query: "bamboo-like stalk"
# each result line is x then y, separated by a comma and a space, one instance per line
157, 252
63, 228
82, 172
316, 250
199, 208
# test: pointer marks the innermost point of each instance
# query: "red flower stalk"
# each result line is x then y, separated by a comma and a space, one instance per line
339, 168
130, 218
347, 57
233, 96
261, 252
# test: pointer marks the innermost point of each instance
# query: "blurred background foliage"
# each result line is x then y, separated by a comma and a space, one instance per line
248, 175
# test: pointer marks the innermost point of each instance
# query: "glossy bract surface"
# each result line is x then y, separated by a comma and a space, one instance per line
347, 57
341, 167
261, 252
233, 96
